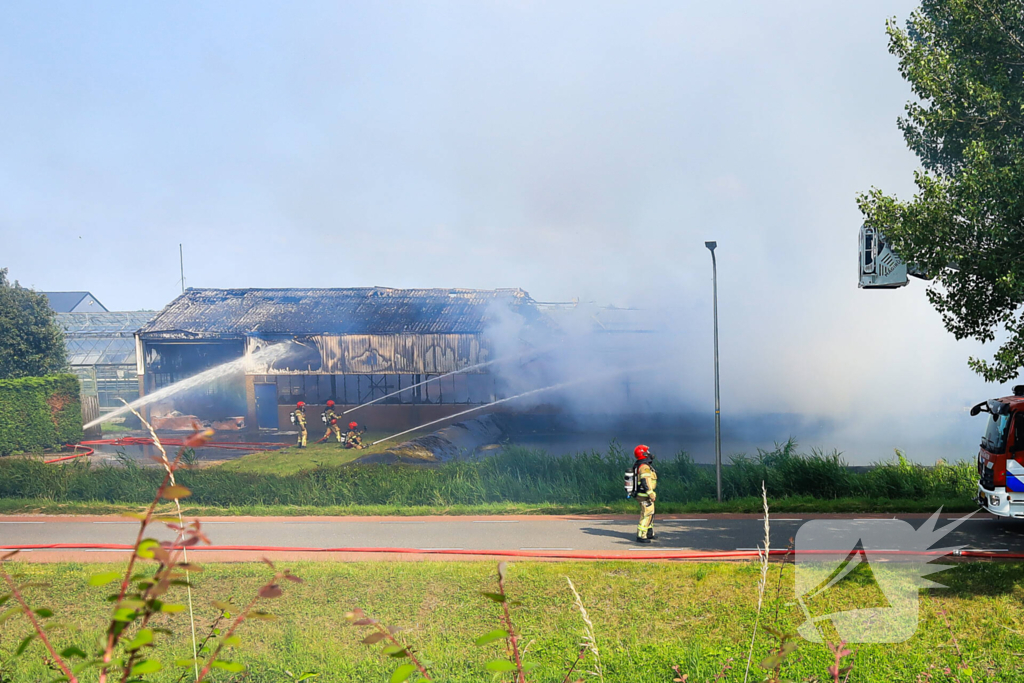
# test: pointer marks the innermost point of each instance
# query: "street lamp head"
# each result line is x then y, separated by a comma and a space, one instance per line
711, 245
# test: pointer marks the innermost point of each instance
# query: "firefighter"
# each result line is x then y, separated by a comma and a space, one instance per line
646, 482
299, 419
330, 418
353, 438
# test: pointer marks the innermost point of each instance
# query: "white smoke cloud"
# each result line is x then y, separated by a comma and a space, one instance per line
576, 149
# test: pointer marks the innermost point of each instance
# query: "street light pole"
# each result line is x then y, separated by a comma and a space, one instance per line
718, 408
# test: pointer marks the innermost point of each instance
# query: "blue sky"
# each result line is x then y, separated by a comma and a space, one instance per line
574, 149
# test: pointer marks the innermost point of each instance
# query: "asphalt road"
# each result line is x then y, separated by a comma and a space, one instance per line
564, 534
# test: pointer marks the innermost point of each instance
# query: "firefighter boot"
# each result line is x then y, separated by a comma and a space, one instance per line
643, 539
650, 534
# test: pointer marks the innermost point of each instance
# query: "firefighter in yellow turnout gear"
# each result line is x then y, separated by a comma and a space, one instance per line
646, 482
299, 420
330, 418
354, 437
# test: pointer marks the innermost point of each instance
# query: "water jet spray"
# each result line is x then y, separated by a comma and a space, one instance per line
268, 354
553, 387
439, 377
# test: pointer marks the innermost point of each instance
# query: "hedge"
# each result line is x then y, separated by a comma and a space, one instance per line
37, 413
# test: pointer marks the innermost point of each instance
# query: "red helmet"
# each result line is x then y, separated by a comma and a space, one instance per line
641, 452
300, 404
330, 404
352, 425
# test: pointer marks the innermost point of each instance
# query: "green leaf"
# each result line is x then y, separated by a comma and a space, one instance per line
175, 492
146, 547
232, 641
43, 612
373, 638
4, 599
233, 667
24, 644
307, 675
496, 597
262, 616
186, 662
500, 665
124, 614
402, 673
142, 638
9, 613
147, 666
496, 634
396, 651
530, 666
172, 609
72, 651
93, 664
103, 578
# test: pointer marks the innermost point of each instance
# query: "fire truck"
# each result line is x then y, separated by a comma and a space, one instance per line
1001, 458
1000, 468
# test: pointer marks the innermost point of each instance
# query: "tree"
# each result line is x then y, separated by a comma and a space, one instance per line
964, 60
31, 341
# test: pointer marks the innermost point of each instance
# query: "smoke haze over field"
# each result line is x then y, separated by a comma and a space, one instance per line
574, 149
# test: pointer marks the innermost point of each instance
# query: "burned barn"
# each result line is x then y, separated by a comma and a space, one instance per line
349, 345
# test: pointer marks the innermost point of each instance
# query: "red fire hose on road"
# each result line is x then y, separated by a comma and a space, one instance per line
667, 555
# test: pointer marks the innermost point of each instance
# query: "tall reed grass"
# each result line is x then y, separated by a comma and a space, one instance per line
517, 475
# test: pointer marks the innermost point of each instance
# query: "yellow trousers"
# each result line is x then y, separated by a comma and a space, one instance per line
302, 435
332, 429
646, 517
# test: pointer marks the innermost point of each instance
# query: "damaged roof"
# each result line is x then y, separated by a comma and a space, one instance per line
360, 310
102, 338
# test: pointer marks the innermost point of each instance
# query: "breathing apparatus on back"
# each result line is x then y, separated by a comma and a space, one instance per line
300, 406
324, 417
633, 483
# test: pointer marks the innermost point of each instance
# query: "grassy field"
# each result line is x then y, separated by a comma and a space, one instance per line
292, 460
517, 479
647, 617
791, 504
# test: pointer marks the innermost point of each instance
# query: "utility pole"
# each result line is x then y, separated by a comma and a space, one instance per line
181, 260
718, 407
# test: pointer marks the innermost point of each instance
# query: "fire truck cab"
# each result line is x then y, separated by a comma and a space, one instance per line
1001, 458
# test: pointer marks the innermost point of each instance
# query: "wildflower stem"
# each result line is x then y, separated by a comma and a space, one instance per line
30, 615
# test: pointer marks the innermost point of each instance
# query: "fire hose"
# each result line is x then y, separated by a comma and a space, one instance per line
88, 451
144, 441
667, 555
229, 445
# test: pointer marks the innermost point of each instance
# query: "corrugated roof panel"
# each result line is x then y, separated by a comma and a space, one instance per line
364, 310
112, 324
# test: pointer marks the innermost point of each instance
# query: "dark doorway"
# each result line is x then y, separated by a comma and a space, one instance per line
266, 406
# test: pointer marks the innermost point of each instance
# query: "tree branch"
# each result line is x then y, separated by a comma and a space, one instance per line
30, 615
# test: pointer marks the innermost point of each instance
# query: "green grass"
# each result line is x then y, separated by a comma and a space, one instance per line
647, 617
793, 504
111, 428
293, 460
517, 477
